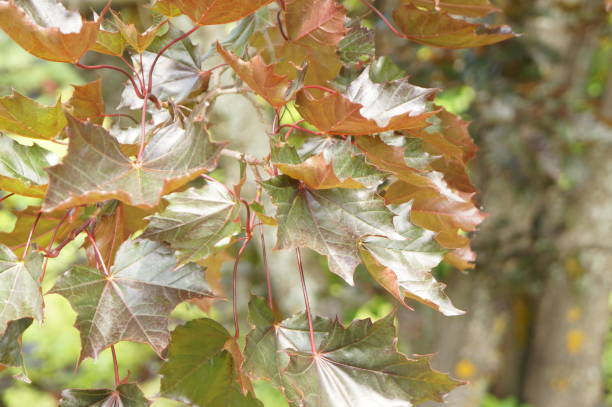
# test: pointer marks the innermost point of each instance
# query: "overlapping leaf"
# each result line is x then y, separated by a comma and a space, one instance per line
200, 367
87, 102
134, 38
439, 29
367, 107
329, 221
44, 229
10, 342
355, 366
20, 295
196, 220
325, 164
47, 30
314, 31
125, 395
22, 168
95, 169
177, 72
260, 77
132, 303
211, 12
403, 267
26, 117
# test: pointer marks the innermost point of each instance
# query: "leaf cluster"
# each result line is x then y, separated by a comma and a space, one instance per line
372, 172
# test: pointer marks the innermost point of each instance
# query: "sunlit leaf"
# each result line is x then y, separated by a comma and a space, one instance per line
47, 30
260, 77
20, 295
403, 267
200, 367
171, 158
468, 8
134, 38
328, 221
22, 168
355, 366
196, 220
439, 29
87, 102
211, 12
26, 117
132, 303
10, 342
367, 107
326, 164
125, 395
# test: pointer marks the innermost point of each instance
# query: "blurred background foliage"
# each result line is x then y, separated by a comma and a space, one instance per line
537, 331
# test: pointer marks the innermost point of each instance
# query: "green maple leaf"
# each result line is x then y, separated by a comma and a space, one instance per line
96, 169
355, 366
10, 342
22, 168
26, 117
125, 395
20, 295
196, 220
132, 303
200, 367
329, 221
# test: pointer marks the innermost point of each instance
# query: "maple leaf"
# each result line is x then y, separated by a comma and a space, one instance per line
22, 168
355, 366
314, 31
437, 209
26, 117
10, 342
87, 102
134, 38
315, 21
109, 40
468, 8
326, 163
403, 267
132, 303
450, 140
44, 229
177, 73
196, 221
357, 45
212, 12
260, 77
367, 107
328, 221
199, 353
439, 29
125, 395
47, 30
20, 295
115, 224
171, 158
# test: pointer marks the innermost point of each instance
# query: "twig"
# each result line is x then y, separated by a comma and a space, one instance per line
313, 346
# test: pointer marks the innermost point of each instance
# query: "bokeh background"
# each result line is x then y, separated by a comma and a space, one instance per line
537, 332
